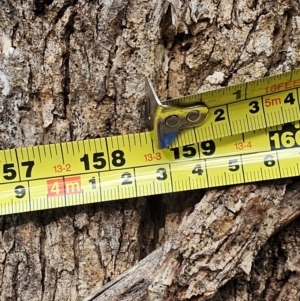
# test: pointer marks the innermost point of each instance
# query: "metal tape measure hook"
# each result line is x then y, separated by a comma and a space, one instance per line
166, 121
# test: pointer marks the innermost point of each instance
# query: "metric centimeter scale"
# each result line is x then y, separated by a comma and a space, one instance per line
126, 166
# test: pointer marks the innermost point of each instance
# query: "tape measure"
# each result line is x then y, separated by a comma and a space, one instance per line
246, 107
252, 133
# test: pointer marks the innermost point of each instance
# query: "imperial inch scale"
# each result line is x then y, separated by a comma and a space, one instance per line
243, 133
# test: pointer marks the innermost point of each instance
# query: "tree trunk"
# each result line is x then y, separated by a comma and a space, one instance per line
73, 70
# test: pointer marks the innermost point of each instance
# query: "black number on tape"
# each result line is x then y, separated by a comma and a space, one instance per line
208, 147
127, 178
29, 165
97, 159
20, 191
162, 174
289, 99
233, 165
93, 182
255, 107
188, 151
269, 161
238, 94
9, 170
220, 115
198, 170
118, 158
175, 150
85, 160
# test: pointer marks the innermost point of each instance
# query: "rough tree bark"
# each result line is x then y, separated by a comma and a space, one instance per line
73, 69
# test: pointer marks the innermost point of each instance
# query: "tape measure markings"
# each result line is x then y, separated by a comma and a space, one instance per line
229, 119
112, 182
160, 178
71, 173
27, 162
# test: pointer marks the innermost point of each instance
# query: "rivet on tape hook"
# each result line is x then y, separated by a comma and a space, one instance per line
166, 121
